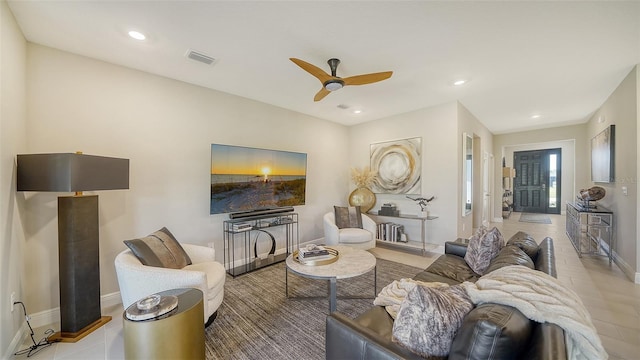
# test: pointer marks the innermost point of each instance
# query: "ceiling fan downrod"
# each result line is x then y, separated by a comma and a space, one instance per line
336, 83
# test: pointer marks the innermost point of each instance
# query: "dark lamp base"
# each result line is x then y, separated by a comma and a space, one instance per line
70, 337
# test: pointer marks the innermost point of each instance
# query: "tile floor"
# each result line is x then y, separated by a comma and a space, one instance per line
612, 300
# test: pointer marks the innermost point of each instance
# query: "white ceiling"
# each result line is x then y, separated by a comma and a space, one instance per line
560, 60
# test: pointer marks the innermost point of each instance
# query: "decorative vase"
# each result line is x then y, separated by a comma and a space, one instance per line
362, 197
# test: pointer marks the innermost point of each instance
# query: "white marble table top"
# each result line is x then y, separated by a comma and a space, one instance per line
351, 262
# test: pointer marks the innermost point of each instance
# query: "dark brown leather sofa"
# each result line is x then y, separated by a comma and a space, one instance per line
489, 331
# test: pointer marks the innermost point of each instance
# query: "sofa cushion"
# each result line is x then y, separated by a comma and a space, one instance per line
510, 255
525, 242
452, 267
483, 247
429, 318
160, 249
348, 217
492, 331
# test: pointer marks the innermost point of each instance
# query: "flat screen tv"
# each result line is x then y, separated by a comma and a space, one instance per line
244, 178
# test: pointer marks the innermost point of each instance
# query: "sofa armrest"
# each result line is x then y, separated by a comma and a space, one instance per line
546, 259
199, 254
458, 247
331, 231
346, 339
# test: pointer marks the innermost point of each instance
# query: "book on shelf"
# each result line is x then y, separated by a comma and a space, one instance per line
391, 232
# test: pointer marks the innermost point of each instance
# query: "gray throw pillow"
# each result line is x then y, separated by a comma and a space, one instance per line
160, 249
429, 319
348, 217
483, 247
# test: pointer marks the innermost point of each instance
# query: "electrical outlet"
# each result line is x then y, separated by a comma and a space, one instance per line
13, 299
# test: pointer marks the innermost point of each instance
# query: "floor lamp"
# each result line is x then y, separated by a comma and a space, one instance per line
78, 229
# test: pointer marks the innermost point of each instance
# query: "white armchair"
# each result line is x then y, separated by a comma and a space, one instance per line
364, 238
137, 281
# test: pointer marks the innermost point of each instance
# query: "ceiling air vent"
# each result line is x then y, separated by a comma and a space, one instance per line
198, 56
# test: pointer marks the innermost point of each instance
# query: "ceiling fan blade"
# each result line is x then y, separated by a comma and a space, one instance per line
367, 78
312, 69
321, 94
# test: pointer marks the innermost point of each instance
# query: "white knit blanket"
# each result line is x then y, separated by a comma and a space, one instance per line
392, 295
541, 298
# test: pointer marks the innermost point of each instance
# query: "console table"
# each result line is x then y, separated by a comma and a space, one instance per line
242, 235
590, 230
421, 245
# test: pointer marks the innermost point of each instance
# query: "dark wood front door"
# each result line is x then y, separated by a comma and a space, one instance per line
536, 185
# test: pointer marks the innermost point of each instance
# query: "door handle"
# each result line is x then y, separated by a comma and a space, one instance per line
544, 186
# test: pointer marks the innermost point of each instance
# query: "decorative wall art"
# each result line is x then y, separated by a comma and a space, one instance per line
603, 156
398, 166
244, 178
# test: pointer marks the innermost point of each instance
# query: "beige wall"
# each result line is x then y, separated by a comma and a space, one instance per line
482, 146
437, 126
12, 140
440, 128
620, 110
165, 127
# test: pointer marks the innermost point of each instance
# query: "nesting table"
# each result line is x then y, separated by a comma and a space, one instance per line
351, 263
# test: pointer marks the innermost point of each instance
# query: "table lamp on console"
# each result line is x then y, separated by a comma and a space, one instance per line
78, 229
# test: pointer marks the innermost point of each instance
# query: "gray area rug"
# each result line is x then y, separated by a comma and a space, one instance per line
535, 218
257, 321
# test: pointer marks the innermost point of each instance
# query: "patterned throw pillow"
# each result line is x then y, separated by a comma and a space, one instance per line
429, 319
348, 217
160, 249
483, 247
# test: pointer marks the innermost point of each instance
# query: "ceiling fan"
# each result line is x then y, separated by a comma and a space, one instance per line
333, 82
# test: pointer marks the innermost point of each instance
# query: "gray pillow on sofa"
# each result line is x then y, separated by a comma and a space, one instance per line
160, 249
483, 247
429, 318
348, 217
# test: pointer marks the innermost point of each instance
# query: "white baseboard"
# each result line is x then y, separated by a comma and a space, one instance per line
497, 220
626, 269
52, 316
17, 341
49, 317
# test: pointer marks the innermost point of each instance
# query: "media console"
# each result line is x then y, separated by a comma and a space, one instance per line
244, 235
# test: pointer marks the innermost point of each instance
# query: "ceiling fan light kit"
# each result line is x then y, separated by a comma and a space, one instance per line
333, 82
333, 85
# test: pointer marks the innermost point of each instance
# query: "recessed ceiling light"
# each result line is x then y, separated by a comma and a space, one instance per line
137, 35
459, 82
357, 111
535, 116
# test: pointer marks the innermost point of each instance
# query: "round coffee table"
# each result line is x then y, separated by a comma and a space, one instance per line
351, 262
